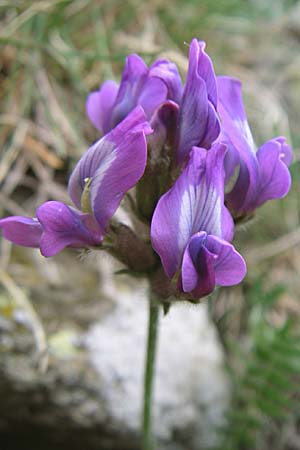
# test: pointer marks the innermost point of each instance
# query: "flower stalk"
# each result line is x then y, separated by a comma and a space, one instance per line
148, 442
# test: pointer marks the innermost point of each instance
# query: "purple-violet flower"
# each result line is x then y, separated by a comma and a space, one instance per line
263, 174
191, 227
196, 121
178, 127
139, 86
111, 167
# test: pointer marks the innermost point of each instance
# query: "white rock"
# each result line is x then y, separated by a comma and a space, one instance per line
191, 388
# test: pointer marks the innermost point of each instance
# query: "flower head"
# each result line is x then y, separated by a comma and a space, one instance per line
165, 140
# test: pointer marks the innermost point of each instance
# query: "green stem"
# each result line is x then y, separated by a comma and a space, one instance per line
148, 439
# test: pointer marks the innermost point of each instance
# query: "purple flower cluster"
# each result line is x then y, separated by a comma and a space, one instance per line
179, 146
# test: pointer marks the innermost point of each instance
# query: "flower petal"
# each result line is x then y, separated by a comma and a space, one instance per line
195, 203
101, 155
209, 261
192, 117
240, 198
231, 109
236, 131
230, 267
23, 231
66, 227
231, 161
168, 72
153, 93
213, 127
164, 124
227, 225
99, 105
198, 121
286, 151
205, 69
133, 78
197, 273
275, 178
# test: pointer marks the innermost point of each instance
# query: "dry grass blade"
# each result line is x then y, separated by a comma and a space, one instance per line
34, 146
275, 247
12, 153
56, 109
45, 135
37, 328
34, 9
11, 206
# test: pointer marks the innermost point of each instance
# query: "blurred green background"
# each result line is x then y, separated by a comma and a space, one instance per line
52, 54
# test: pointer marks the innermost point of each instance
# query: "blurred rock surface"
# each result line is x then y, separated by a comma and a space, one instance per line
90, 396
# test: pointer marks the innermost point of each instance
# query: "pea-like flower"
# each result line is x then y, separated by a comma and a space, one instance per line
194, 116
197, 122
263, 174
191, 227
178, 127
139, 86
111, 167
